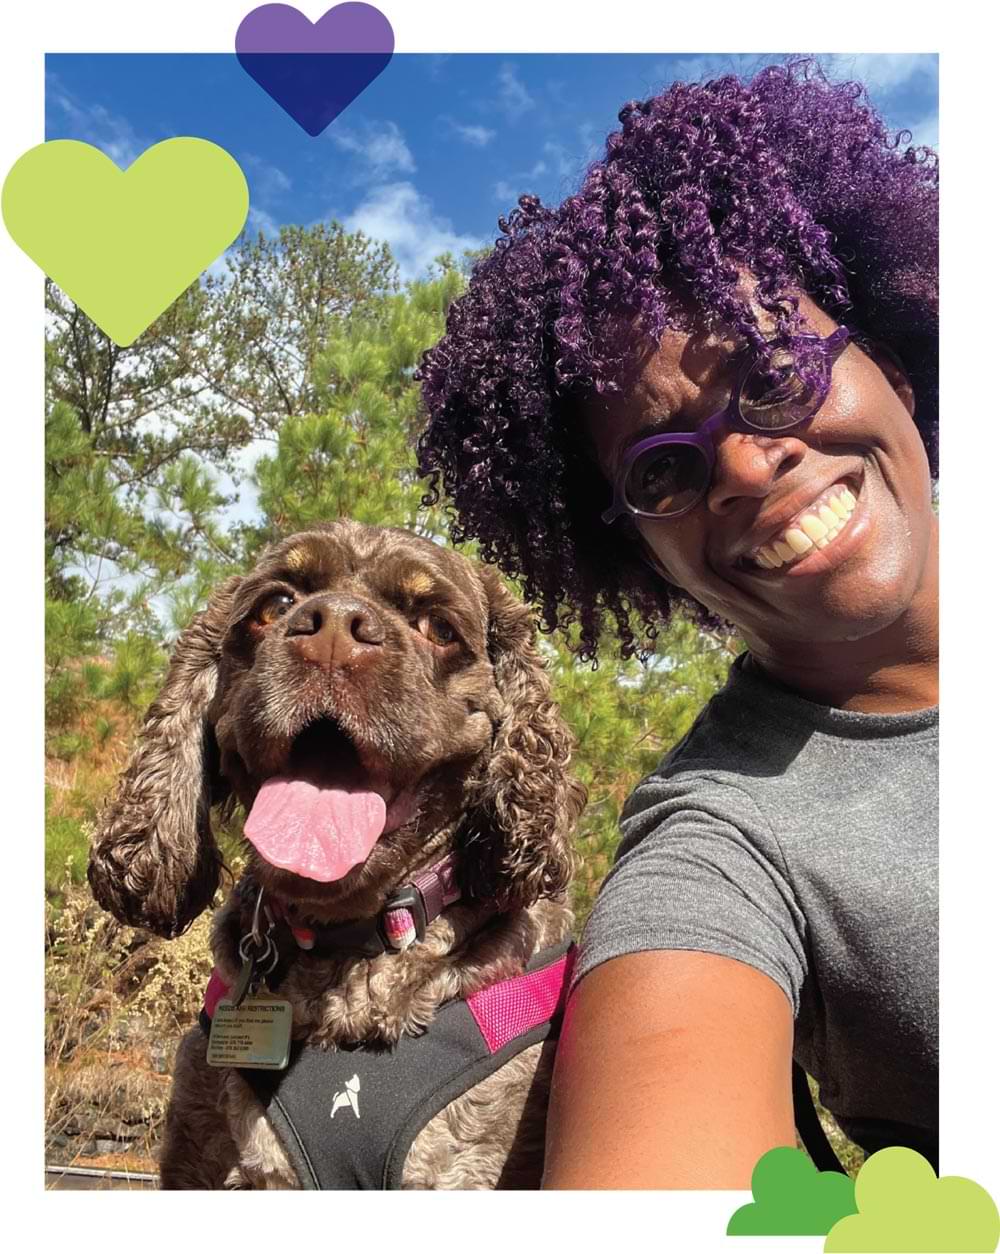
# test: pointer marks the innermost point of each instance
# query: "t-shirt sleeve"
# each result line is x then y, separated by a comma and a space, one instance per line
698, 868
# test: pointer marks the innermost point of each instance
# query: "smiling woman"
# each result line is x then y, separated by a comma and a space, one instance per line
710, 378
763, 545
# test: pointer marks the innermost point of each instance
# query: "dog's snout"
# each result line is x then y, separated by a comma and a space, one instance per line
335, 630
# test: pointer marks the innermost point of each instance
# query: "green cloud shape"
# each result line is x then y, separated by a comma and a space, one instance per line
904, 1208
792, 1198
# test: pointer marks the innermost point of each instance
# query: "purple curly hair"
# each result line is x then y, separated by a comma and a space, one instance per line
788, 176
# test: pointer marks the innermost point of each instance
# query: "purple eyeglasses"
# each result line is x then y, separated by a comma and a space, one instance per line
666, 475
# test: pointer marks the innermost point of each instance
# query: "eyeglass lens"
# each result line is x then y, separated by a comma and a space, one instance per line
774, 394
666, 479
669, 478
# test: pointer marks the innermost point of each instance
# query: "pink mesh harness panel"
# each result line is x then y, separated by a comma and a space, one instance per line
507, 1009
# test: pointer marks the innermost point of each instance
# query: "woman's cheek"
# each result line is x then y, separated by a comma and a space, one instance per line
678, 545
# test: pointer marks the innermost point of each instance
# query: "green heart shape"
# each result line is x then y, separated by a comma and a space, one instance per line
124, 244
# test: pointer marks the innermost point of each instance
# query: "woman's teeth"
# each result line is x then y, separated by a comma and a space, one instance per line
814, 528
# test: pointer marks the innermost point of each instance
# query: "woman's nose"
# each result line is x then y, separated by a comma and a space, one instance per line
748, 466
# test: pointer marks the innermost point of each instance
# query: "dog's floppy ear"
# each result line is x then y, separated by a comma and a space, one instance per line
154, 862
516, 844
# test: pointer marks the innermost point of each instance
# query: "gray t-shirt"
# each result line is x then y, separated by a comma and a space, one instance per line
802, 840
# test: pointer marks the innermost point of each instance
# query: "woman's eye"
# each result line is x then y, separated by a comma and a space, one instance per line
661, 473
437, 630
274, 607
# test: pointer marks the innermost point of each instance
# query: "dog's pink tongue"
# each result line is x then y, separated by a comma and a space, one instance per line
316, 832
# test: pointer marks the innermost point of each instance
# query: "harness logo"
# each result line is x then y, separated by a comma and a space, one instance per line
348, 1096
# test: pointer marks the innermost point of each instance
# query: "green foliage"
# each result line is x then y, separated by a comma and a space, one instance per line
625, 718
354, 458
66, 844
136, 668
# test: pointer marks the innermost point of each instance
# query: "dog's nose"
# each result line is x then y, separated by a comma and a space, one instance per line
335, 631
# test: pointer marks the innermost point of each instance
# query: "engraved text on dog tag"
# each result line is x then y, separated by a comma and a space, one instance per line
257, 1034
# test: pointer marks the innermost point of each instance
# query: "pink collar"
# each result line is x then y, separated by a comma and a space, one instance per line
401, 923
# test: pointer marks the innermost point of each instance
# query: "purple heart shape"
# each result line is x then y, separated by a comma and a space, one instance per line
314, 70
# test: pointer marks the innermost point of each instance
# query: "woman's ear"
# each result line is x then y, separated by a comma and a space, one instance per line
154, 861
889, 362
650, 558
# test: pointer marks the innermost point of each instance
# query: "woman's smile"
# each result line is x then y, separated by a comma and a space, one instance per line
809, 532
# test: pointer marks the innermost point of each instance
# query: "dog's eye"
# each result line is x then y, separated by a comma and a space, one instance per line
437, 630
274, 607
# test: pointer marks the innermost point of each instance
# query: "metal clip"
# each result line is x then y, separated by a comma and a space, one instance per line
258, 952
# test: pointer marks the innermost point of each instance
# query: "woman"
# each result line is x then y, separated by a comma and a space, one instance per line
710, 378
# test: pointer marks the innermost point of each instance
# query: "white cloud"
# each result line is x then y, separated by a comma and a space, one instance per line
260, 220
477, 136
247, 508
92, 124
509, 191
381, 146
925, 132
693, 69
400, 215
565, 164
878, 71
267, 180
515, 99
882, 71
560, 162
434, 63
590, 141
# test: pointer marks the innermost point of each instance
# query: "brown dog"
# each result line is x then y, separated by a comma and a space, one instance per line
375, 702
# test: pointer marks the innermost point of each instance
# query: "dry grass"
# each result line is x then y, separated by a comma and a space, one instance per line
117, 1001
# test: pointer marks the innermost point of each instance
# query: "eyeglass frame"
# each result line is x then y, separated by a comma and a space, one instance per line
831, 346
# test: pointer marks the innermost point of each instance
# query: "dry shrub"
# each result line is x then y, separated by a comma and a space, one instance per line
117, 1001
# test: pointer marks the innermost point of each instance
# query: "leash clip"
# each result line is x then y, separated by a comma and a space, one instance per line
258, 952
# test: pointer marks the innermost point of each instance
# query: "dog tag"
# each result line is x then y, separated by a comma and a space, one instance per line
256, 1034
243, 982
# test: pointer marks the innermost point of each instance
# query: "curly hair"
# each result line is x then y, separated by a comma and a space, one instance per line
789, 177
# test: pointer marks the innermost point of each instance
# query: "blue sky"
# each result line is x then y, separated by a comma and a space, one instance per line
435, 149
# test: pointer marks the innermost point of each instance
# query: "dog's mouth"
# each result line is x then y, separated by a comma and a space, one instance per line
323, 815
323, 751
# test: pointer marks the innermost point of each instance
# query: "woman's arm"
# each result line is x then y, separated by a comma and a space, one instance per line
673, 1072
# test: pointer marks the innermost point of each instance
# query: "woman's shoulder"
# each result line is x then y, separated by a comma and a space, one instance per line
768, 771
756, 736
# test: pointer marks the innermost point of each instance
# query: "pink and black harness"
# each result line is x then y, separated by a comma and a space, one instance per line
347, 1117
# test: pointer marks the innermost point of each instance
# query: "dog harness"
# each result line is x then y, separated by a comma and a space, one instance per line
347, 1117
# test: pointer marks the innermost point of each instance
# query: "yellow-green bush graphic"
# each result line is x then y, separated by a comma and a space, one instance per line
903, 1207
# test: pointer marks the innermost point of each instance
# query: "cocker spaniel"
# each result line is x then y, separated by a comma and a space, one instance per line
376, 704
